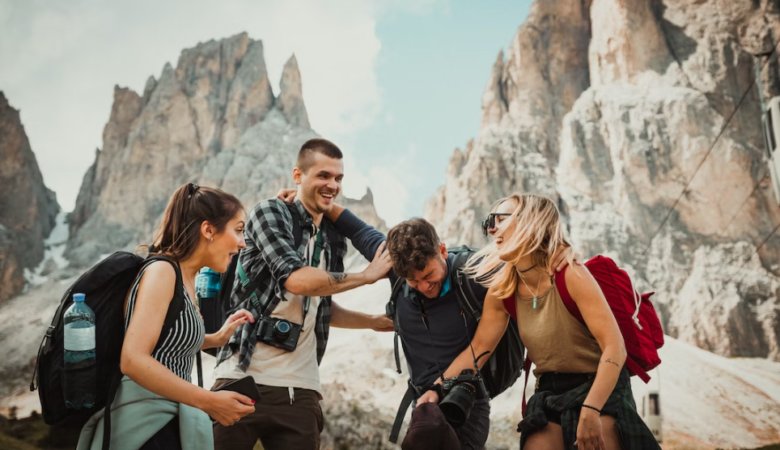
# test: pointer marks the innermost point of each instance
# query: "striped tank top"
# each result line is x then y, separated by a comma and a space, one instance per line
183, 339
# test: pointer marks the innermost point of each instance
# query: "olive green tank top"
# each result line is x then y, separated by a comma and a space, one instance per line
556, 341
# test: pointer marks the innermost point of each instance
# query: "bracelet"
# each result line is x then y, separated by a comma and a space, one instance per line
590, 407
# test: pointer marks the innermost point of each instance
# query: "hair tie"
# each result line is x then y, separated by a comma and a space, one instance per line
193, 188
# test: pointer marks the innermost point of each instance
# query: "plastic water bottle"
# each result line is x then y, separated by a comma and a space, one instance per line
207, 288
207, 283
80, 375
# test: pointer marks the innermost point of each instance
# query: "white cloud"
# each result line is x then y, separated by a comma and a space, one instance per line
62, 59
390, 194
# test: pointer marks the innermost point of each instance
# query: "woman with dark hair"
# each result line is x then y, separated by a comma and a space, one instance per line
157, 406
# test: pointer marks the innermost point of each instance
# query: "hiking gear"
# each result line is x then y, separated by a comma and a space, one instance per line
502, 368
80, 374
634, 313
106, 286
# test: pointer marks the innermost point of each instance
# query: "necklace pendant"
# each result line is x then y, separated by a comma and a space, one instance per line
534, 302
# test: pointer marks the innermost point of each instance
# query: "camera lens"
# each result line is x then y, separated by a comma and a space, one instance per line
282, 329
456, 405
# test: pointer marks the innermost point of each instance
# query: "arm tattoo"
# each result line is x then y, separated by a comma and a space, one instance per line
612, 362
336, 278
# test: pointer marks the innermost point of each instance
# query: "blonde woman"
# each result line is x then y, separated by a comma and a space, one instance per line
583, 394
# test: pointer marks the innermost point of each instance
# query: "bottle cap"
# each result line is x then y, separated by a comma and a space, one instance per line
78, 297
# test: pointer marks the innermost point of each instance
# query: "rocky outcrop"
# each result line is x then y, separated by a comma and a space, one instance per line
28, 209
545, 71
290, 99
212, 120
660, 162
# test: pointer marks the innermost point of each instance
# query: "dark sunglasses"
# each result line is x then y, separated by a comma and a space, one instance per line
490, 222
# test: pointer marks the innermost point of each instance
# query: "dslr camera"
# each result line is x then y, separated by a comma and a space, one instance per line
459, 396
279, 333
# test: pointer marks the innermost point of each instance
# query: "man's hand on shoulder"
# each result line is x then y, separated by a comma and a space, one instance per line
382, 323
287, 195
560, 259
380, 266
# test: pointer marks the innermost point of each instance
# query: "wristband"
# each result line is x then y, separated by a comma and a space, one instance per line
437, 388
590, 407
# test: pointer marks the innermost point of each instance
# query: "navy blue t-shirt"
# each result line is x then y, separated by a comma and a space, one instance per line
448, 334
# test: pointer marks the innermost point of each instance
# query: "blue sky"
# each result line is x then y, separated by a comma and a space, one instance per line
431, 71
396, 83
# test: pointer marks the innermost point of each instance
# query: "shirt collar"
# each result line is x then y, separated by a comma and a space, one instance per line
446, 286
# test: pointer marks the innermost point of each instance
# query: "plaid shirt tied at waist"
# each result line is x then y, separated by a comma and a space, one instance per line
270, 256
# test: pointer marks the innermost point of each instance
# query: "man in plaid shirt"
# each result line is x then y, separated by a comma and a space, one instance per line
294, 284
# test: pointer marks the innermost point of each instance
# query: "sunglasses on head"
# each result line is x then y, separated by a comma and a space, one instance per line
490, 222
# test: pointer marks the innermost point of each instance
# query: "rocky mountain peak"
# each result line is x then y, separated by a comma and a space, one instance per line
625, 112
213, 120
494, 104
290, 99
28, 209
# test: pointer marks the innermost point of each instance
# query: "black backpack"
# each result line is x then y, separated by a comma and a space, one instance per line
105, 286
505, 364
216, 310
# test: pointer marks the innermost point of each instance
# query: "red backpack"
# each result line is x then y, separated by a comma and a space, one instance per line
635, 314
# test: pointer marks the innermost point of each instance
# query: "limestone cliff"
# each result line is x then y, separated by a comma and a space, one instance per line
212, 120
658, 161
27, 207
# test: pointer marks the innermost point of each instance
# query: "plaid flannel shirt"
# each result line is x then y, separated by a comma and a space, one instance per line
269, 256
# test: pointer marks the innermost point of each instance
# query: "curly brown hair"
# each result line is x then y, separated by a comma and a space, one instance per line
411, 245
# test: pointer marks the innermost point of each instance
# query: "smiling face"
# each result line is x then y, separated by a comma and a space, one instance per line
430, 280
320, 184
508, 206
225, 243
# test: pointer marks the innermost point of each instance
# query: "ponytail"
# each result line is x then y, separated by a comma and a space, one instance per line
179, 232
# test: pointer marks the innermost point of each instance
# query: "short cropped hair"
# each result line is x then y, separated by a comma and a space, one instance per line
316, 145
411, 245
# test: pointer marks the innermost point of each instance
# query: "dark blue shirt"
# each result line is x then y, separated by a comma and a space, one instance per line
448, 336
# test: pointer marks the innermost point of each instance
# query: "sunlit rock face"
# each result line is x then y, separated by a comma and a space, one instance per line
27, 207
639, 137
212, 120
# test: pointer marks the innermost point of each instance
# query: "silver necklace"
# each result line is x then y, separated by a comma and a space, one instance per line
536, 292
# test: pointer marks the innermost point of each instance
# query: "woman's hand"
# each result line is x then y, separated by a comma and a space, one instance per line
287, 195
589, 433
235, 320
227, 407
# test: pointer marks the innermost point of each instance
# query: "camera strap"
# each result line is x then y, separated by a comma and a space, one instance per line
316, 256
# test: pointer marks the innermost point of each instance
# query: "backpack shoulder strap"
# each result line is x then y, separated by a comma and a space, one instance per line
563, 291
409, 396
390, 310
465, 294
296, 223
177, 303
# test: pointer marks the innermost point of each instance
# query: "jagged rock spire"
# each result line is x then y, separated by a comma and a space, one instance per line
290, 100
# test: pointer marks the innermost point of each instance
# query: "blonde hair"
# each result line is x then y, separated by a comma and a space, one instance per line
538, 233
